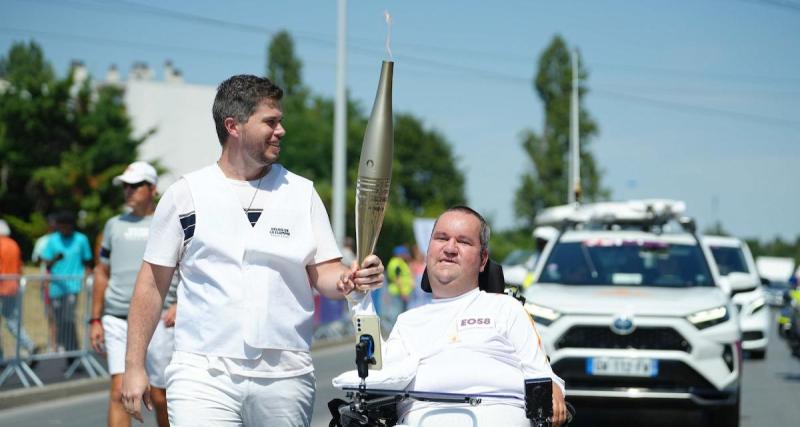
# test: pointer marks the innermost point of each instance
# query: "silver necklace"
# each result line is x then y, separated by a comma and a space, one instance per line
258, 186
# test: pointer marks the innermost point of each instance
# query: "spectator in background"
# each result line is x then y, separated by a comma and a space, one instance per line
41, 243
401, 281
36, 258
11, 265
417, 266
69, 260
348, 251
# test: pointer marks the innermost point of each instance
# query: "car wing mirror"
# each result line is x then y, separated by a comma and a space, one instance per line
737, 280
725, 286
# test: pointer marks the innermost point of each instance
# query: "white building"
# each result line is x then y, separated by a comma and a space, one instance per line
179, 114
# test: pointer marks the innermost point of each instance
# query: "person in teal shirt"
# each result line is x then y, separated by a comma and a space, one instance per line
69, 259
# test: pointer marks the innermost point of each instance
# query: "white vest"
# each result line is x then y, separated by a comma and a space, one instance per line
246, 288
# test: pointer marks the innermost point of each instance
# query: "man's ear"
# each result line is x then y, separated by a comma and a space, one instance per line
484, 258
231, 126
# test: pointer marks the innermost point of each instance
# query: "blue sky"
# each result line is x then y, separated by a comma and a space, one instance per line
697, 100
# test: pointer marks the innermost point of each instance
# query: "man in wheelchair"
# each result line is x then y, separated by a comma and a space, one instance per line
466, 342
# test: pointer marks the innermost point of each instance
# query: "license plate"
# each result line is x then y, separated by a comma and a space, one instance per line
622, 366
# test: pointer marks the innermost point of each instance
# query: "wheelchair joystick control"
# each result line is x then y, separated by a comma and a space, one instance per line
538, 400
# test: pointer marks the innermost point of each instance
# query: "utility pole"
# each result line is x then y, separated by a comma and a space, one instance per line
574, 142
340, 128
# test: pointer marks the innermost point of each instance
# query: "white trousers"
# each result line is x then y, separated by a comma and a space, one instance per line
202, 397
458, 415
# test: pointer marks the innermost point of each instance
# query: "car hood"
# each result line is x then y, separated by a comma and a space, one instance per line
611, 300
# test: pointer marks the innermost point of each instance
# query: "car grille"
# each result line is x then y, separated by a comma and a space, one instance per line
752, 335
659, 338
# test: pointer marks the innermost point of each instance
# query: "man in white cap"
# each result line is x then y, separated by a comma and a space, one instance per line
124, 240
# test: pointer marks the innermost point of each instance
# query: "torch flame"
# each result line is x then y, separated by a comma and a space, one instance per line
388, 19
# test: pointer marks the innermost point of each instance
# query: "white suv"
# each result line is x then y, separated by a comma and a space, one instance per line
737, 267
629, 311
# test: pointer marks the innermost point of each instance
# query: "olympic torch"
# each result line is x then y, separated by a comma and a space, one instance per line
375, 167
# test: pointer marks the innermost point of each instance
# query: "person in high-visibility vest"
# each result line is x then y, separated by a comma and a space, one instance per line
792, 328
401, 281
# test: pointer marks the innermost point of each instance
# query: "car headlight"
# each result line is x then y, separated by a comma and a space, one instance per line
707, 318
541, 315
756, 305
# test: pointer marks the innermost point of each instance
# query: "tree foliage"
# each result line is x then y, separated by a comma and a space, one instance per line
424, 172
716, 229
546, 183
425, 178
283, 66
61, 143
776, 247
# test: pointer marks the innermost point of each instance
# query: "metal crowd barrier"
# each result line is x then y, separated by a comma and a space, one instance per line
45, 328
41, 328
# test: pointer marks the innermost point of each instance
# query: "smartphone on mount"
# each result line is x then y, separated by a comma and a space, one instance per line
370, 324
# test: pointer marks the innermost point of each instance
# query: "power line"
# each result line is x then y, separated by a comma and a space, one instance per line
144, 9
476, 72
683, 107
120, 42
479, 73
784, 4
706, 75
361, 44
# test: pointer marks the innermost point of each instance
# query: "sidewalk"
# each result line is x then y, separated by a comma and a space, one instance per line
51, 372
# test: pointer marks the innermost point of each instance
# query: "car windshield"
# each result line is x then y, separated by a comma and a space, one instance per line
779, 285
626, 263
729, 260
517, 256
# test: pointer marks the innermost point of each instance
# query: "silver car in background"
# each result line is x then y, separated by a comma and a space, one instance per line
736, 266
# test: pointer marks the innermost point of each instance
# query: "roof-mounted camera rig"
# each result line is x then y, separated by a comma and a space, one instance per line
651, 215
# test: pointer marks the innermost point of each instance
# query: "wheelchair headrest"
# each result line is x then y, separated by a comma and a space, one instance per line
489, 280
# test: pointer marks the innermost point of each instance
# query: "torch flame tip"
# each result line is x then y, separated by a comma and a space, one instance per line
388, 19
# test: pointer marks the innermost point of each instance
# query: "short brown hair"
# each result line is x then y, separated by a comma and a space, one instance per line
238, 97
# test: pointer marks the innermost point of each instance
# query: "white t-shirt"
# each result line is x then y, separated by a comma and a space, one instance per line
476, 343
172, 229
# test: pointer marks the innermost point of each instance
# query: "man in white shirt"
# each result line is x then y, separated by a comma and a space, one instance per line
467, 341
251, 241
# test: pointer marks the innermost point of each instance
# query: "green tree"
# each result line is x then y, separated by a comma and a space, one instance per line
425, 177
716, 229
546, 183
283, 66
776, 247
424, 172
61, 143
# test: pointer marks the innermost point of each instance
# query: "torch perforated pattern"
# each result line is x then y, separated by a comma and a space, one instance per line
371, 197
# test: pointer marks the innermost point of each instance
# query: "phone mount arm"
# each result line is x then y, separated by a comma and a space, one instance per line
365, 352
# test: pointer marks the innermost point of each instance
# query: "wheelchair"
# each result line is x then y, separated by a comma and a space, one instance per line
378, 407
